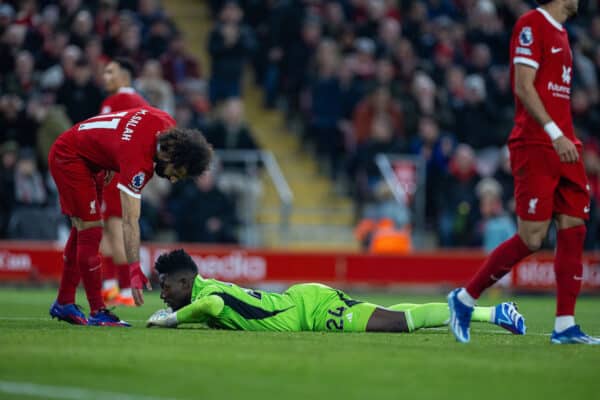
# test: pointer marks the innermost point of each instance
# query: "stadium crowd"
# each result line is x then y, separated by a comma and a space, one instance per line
359, 77
426, 78
52, 58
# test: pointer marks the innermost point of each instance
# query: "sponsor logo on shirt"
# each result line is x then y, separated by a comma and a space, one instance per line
559, 90
138, 180
524, 51
526, 36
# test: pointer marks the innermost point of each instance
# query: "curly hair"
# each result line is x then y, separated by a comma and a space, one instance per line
175, 261
187, 148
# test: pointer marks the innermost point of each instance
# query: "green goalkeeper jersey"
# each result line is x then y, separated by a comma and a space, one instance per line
304, 307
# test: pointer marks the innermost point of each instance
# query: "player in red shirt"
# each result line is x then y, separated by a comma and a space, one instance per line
118, 75
550, 180
137, 143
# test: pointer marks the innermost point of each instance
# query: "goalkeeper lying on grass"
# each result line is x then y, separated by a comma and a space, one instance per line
304, 307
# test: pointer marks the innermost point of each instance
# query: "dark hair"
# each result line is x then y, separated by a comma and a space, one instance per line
542, 2
186, 148
175, 261
127, 65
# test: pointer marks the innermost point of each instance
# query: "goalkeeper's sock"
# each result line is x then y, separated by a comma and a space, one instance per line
483, 314
70, 276
88, 243
432, 315
426, 315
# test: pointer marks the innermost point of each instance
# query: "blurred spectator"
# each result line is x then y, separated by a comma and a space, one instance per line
51, 120
29, 186
497, 225
15, 124
231, 44
23, 80
214, 222
435, 148
591, 159
378, 103
155, 89
457, 201
177, 64
9, 152
238, 179
80, 96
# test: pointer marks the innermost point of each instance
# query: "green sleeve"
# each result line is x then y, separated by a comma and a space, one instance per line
200, 310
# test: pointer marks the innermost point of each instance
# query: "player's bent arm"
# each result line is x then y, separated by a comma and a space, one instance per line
131, 228
199, 311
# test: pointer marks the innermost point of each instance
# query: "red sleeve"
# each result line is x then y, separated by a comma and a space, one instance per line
527, 42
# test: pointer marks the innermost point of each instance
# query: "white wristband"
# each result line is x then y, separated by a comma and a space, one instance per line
553, 130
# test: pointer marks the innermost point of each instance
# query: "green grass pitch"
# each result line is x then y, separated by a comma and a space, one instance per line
42, 358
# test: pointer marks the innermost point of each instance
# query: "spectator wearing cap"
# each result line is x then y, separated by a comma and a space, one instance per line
231, 44
80, 96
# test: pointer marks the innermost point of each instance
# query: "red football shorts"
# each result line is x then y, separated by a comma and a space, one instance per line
544, 186
111, 196
79, 192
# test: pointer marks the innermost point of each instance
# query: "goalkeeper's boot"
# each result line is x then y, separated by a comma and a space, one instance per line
507, 316
573, 335
460, 317
70, 313
104, 317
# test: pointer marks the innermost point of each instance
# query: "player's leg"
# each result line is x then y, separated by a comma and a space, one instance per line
432, 315
114, 226
572, 205
536, 173
64, 308
65, 173
110, 288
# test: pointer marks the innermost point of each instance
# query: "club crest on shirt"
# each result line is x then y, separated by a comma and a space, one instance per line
138, 180
526, 36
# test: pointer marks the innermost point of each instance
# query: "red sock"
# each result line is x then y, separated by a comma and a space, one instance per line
568, 268
88, 243
109, 270
124, 277
70, 275
498, 264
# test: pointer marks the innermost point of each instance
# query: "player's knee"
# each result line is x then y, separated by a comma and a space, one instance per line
533, 240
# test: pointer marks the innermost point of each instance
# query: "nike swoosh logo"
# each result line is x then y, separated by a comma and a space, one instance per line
578, 278
555, 50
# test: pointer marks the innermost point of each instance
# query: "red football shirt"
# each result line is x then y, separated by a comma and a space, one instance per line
540, 42
124, 99
124, 142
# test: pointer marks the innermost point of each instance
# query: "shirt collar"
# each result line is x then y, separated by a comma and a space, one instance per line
126, 90
550, 19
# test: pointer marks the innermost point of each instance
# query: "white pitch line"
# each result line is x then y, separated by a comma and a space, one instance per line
66, 392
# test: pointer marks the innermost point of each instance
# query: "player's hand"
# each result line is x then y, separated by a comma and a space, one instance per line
138, 281
162, 319
566, 150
